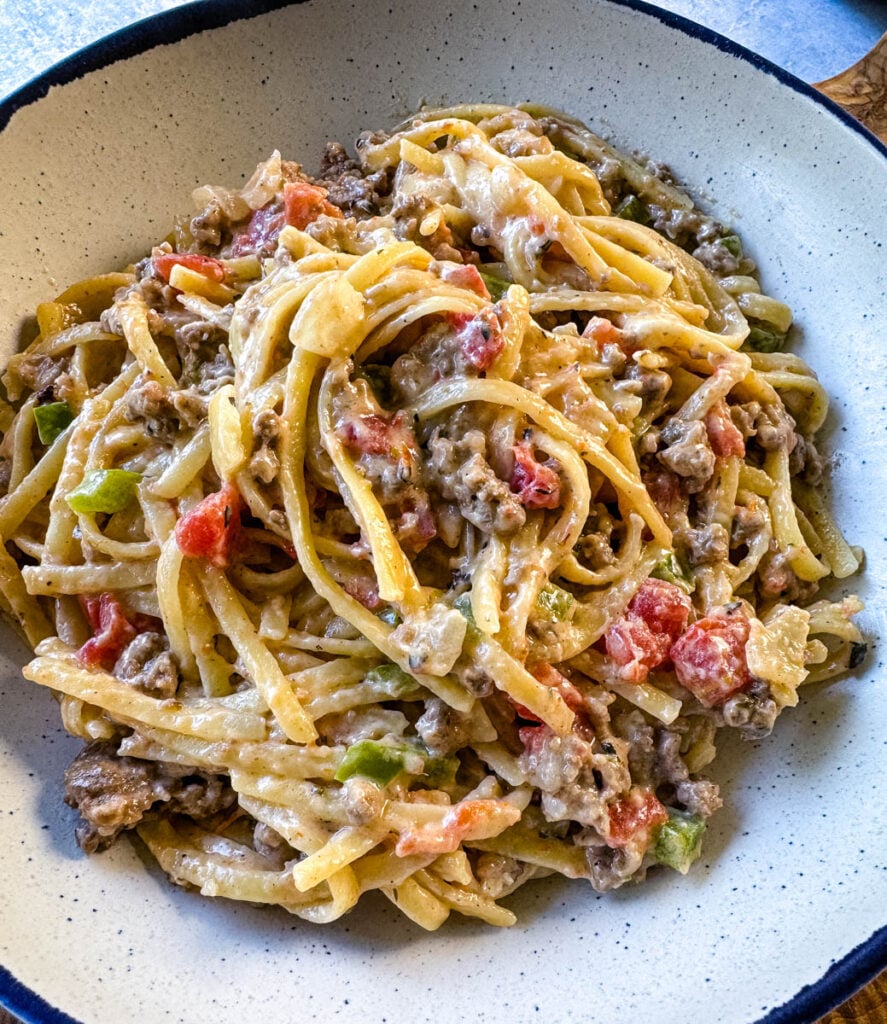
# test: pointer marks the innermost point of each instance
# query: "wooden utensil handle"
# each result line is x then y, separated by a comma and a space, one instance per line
862, 89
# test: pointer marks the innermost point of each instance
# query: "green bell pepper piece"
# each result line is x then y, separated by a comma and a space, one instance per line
678, 841
51, 420
671, 571
555, 603
391, 678
104, 490
383, 762
462, 604
496, 286
733, 245
631, 208
378, 762
390, 615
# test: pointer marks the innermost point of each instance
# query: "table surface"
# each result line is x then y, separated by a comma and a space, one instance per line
813, 39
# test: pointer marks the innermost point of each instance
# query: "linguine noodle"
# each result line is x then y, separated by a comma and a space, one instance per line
419, 526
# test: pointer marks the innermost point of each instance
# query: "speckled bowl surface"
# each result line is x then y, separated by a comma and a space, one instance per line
785, 914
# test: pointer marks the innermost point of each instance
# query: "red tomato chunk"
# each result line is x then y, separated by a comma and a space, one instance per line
304, 203
724, 436
212, 529
371, 434
537, 484
480, 336
642, 638
633, 816
709, 659
204, 265
112, 631
602, 331
464, 275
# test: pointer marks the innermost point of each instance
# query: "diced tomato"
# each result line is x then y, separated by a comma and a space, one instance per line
372, 434
633, 816
635, 648
663, 606
464, 276
204, 265
480, 337
212, 529
260, 233
602, 331
537, 484
533, 737
548, 675
709, 659
304, 203
642, 638
469, 819
112, 631
724, 436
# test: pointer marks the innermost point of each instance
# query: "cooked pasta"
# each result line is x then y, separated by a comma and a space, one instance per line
417, 527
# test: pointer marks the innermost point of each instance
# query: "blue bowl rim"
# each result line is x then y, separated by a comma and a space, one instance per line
845, 976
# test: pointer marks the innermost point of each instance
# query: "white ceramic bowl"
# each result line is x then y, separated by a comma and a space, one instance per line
781, 918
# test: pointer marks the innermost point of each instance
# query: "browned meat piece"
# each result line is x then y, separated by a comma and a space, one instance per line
688, 453
576, 777
747, 524
705, 545
775, 429
655, 760
500, 875
114, 793
355, 194
443, 729
718, 258
149, 402
752, 712
147, 664
264, 463
805, 461
609, 868
460, 472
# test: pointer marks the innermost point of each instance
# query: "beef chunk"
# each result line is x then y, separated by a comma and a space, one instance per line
114, 793
147, 664
355, 194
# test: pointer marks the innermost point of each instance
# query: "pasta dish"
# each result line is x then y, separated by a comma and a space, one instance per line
417, 526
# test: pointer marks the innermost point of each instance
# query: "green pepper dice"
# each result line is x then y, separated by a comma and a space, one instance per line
377, 762
104, 490
496, 285
555, 603
671, 571
51, 420
679, 840
391, 678
631, 208
733, 245
382, 762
